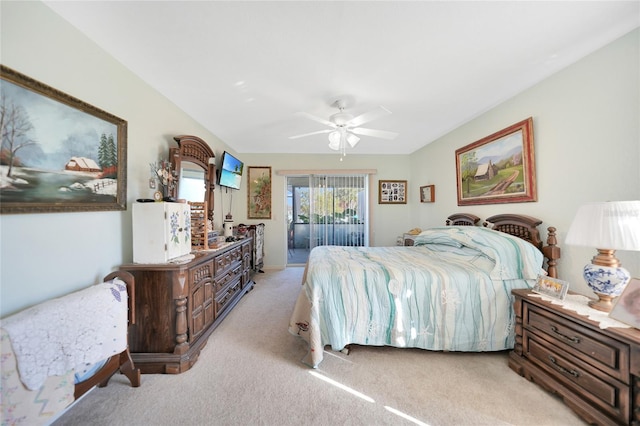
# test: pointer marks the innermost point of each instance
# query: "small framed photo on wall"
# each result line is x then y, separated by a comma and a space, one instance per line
392, 192
427, 194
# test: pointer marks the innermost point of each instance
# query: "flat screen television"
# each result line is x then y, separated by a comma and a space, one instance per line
230, 172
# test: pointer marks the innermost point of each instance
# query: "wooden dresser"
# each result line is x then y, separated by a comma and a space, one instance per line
178, 306
596, 371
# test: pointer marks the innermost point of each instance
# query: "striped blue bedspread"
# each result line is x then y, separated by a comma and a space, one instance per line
451, 291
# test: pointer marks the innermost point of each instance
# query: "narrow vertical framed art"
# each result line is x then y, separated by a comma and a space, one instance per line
259, 193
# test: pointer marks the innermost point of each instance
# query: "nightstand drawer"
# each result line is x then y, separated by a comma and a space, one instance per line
601, 391
604, 353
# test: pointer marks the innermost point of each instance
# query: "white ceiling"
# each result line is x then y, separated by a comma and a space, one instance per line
243, 69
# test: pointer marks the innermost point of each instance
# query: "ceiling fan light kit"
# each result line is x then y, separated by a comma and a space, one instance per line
334, 140
344, 126
339, 138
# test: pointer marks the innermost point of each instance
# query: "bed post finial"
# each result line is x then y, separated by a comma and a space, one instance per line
552, 252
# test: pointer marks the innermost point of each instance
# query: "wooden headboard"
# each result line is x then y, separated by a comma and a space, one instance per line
526, 227
462, 219
521, 226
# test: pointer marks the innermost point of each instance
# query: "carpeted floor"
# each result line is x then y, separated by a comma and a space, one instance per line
250, 373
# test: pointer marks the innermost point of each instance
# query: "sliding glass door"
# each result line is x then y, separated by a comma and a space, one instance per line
326, 210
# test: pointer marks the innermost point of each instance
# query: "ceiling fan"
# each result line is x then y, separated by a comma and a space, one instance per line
344, 127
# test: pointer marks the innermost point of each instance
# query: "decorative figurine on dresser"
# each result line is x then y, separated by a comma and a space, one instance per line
182, 294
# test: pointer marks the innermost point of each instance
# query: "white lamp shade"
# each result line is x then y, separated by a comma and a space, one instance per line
352, 139
607, 225
334, 140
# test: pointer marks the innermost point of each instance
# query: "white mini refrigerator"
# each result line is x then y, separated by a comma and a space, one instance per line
161, 231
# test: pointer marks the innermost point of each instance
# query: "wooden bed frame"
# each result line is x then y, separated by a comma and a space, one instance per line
121, 361
521, 226
462, 219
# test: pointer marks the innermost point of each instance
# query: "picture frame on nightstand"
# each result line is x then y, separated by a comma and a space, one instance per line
551, 287
626, 308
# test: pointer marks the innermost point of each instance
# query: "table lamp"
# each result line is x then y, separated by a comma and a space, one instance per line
606, 226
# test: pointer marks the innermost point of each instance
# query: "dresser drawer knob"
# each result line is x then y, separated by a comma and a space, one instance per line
561, 369
564, 336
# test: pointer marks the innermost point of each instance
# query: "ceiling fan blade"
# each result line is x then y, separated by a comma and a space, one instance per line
315, 118
369, 116
374, 133
312, 133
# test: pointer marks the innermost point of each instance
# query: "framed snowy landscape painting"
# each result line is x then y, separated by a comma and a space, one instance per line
58, 153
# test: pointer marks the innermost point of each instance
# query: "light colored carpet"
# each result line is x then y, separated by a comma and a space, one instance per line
250, 373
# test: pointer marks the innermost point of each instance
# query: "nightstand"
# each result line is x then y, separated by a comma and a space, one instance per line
408, 239
595, 371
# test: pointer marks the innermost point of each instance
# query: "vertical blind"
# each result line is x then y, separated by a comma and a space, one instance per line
338, 210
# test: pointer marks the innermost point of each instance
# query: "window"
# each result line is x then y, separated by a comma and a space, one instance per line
326, 210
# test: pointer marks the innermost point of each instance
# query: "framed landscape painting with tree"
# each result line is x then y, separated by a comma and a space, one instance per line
59, 154
499, 168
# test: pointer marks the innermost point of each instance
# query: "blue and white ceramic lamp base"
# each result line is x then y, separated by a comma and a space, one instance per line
607, 282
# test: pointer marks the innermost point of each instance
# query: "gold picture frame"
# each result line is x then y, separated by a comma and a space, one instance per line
427, 193
79, 165
392, 192
551, 287
499, 168
259, 193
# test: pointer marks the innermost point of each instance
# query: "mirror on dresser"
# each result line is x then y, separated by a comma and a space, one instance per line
192, 182
194, 162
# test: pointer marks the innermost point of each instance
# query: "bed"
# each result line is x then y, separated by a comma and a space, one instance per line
450, 291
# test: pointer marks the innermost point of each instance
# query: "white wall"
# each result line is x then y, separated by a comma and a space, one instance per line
388, 221
46, 255
586, 122
583, 117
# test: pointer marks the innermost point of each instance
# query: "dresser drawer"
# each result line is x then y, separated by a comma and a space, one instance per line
600, 390
226, 295
246, 249
606, 354
221, 282
224, 261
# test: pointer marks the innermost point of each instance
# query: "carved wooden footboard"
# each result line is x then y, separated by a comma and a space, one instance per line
48, 342
122, 361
